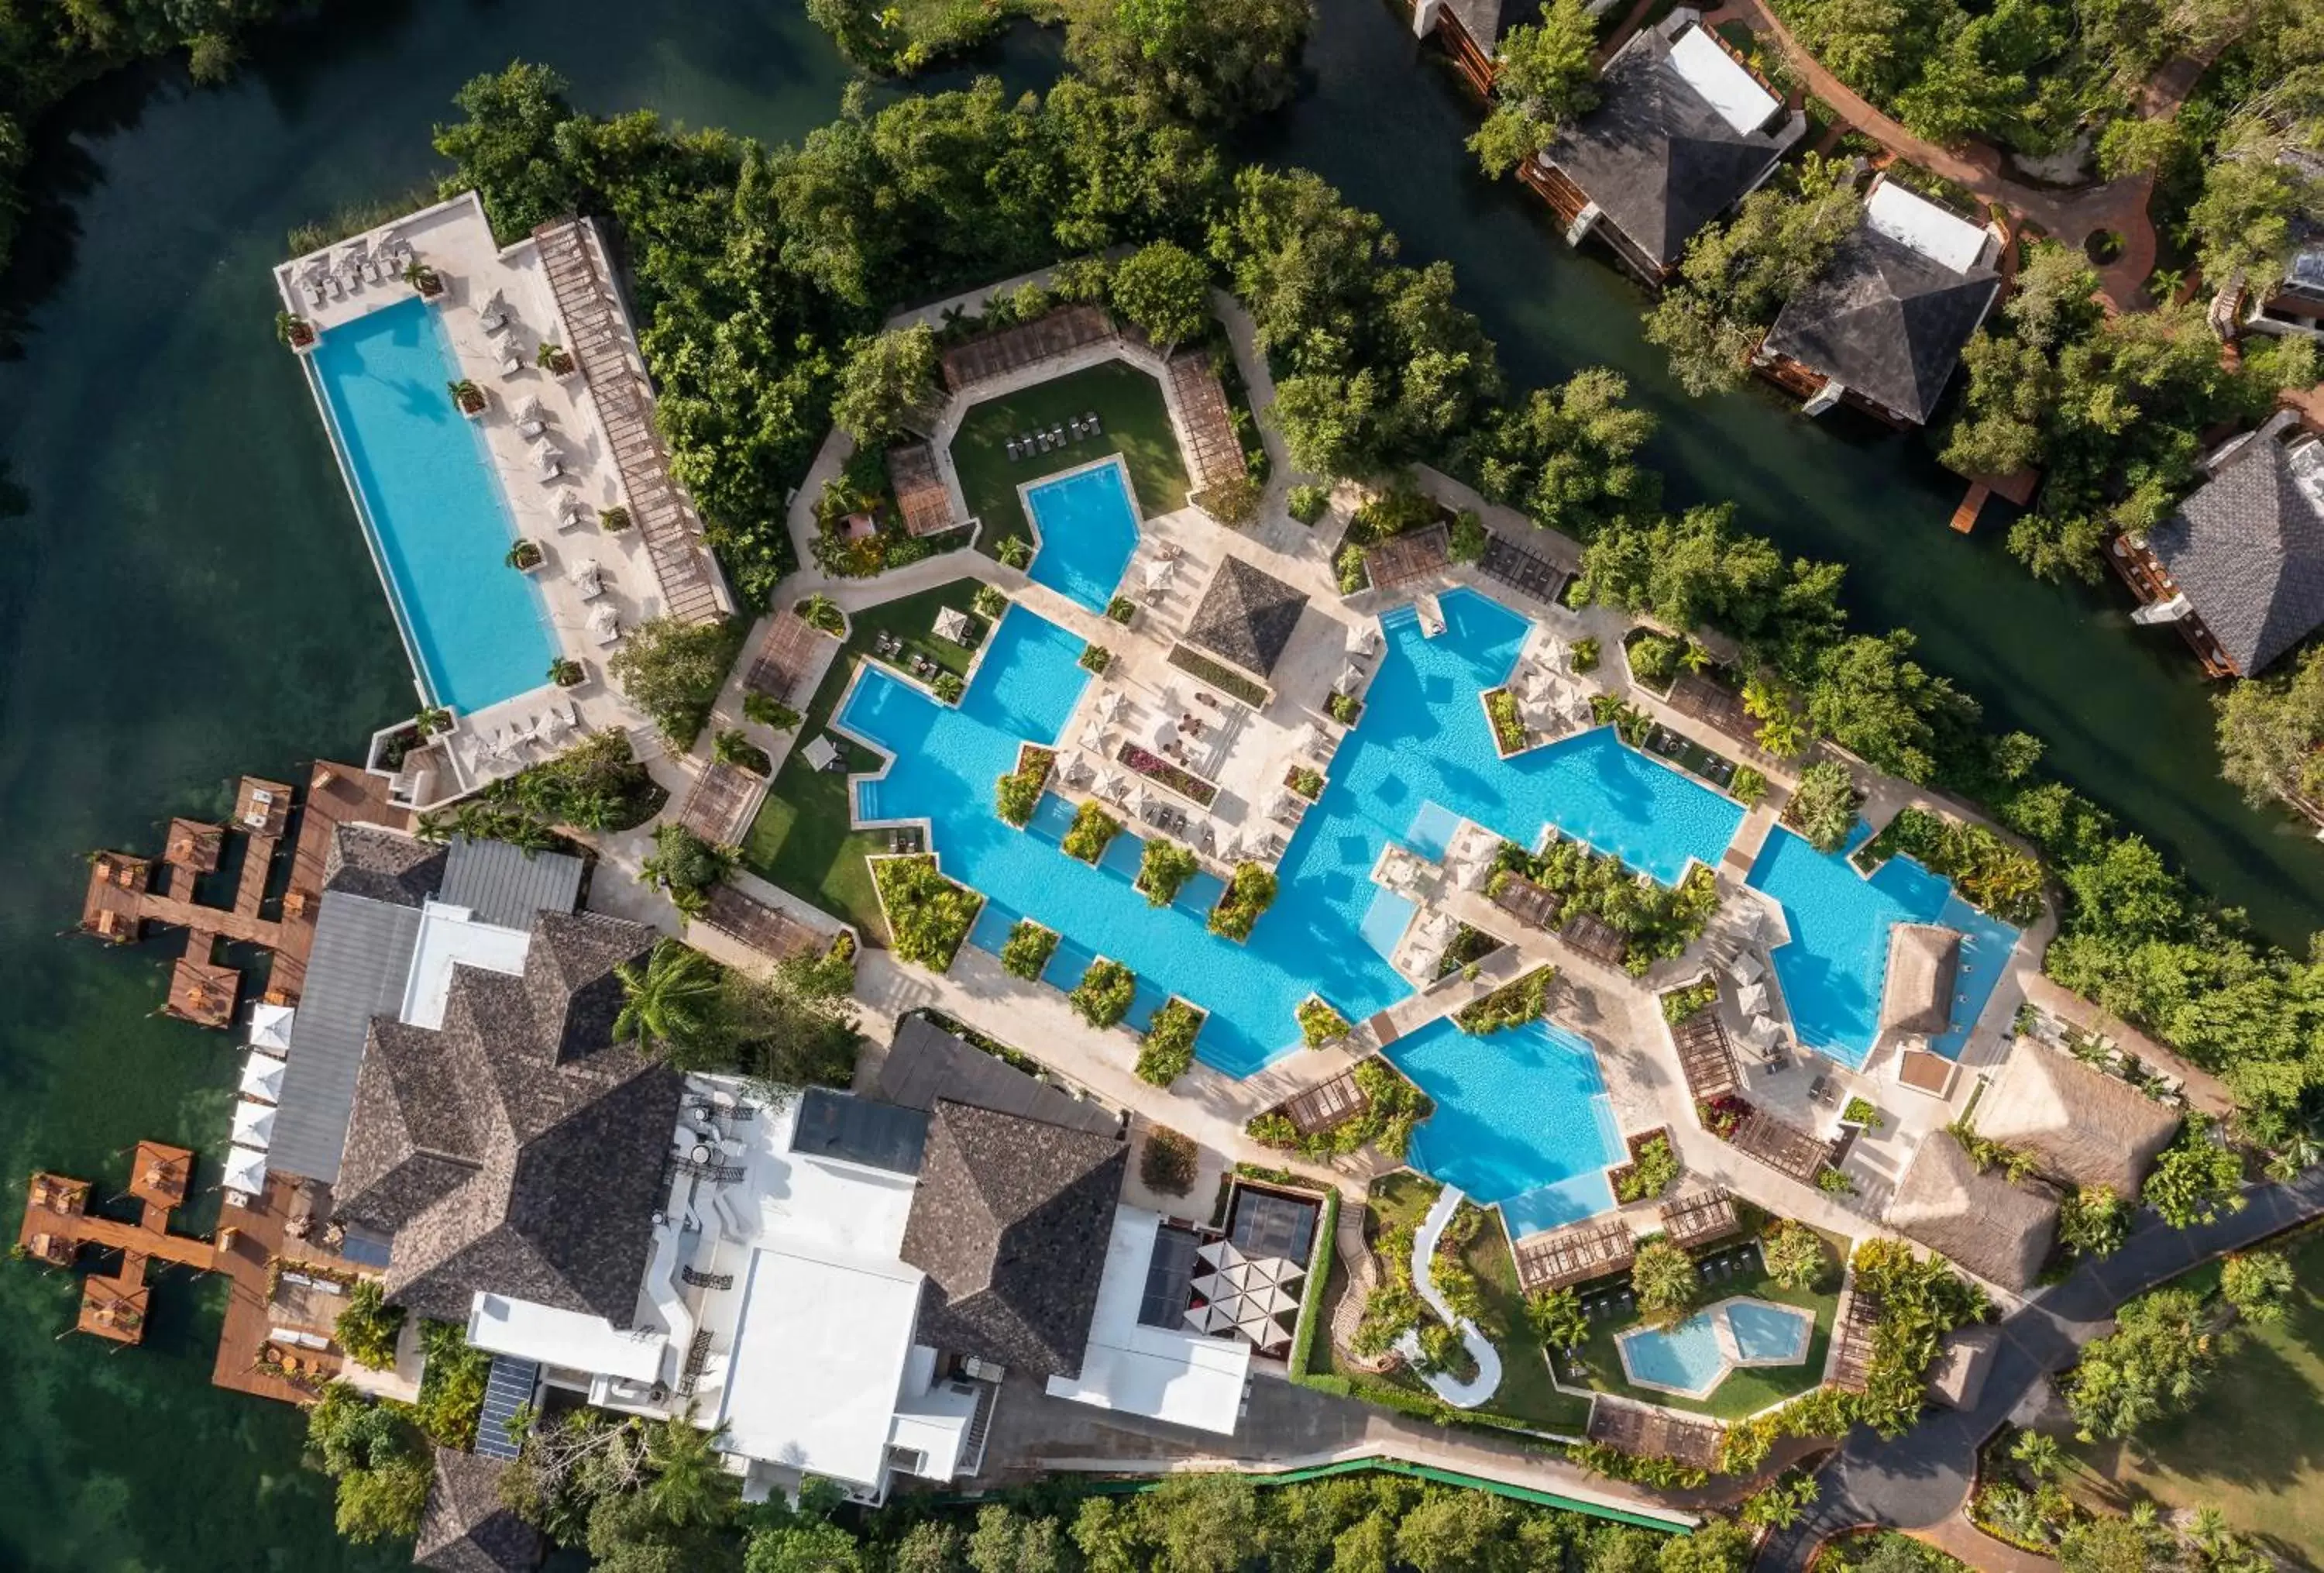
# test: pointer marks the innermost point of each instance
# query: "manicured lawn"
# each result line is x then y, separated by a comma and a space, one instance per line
2254, 1446
1749, 1389
1135, 423
801, 840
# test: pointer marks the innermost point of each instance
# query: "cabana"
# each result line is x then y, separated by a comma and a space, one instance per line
820, 754
951, 623
1923, 961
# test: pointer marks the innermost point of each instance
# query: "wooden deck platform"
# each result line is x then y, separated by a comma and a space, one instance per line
250, 1240
769, 931
57, 1226
125, 898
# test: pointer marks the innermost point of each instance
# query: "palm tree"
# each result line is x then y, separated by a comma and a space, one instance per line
667, 1001
2300, 1150
2038, 1452
821, 612
689, 1485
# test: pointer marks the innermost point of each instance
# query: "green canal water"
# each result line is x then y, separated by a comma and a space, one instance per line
183, 597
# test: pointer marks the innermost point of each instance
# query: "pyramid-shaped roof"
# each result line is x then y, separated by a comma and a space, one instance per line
1247, 615
2247, 549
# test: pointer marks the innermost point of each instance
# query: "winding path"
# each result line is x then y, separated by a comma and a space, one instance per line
1922, 1478
1458, 1394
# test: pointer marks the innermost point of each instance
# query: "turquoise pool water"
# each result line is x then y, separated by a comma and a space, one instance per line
432, 507
1422, 742
1685, 1357
1832, 970
1522, 1119
1769, 1332
1088, 523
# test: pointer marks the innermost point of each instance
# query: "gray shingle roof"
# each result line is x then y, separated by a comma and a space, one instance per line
358, 969
387, 865
1480, 20
501, 883
1656, 158
1886, 321
1010, 1224
1247, 615
926, 1063
466, 1528
510, 1152
2247, 547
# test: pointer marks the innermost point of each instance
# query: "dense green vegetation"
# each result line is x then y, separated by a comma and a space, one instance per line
1163, 870
1249, 893
1091, 833
1543, 77
1658, 922
1989, 872
1513, 1004
2271, 733
672, 670
1105, 992
596, 785
1027, 949
1392, 1107
792, 1026
1016, 794
1166, 1051
928, 915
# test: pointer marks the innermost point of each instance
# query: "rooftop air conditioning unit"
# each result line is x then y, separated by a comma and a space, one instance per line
984, 1370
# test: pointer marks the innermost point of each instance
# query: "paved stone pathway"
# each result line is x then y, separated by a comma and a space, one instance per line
1922, 1479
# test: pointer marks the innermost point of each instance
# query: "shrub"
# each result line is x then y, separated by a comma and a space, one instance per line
2153, 1366
1468, 537
2259, 1285
2195, 1178
1508, 727
1102, 997
1019, 793
672, 670
1662, 1277
1234, 502
1249, 893
821, 613
1168, 1049
1653, 659
928, 915
1163, 870
1833, 1182
1319, 1023
1861, 1112
1015, 552
1308, 502
733, 745
1344, 708
766, 710
1652, 1170
989, 603
1096, 658
1306, 780
1682, 1002
1794, 1254
1824, 807
1169, 1162
614, 520
451, 1385
1511, 1005
1555, 1318
1585, 655
1091, 832
1748, 785
1027, 949
1122, 609
685, 867
2093, 1221
949, 686
1349, 568
368, 1328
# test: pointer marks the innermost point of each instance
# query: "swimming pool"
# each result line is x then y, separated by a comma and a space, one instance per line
1832, 970
1522, 1119
1522, 1115
432, 507
1693, 1358
1088, 524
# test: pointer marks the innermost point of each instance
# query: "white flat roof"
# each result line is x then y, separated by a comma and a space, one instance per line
531, 1331
817, 1363
449, 936
1911, 219
1179, 1377
1721, 80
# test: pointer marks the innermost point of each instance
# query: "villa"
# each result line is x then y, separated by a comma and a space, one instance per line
2240, 567
489, 410
2295, 306
1882, 328
1681, 133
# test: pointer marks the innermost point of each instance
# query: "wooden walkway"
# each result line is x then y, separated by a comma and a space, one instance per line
610, 362
251, 1241
58, 1225
1007, 349
121, 901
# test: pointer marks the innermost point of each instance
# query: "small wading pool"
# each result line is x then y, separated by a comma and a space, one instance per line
1693, 1358
1088, 523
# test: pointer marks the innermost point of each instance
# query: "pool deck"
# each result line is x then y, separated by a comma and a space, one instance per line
453, 238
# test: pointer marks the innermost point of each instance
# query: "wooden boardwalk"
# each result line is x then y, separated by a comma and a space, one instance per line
122, 900
610, 362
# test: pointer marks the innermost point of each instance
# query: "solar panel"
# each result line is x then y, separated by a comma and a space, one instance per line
1169, 1279
855, 1129
1267, 1225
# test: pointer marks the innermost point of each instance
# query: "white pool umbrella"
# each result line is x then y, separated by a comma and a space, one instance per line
245, 1169
261, 1077
270, 1028
1109, 704
1753, 1000
253, 1123
1359, 639
1112, 784
1350, 675
1160, 572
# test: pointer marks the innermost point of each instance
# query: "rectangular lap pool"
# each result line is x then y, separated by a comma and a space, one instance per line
1088, 523
432, 507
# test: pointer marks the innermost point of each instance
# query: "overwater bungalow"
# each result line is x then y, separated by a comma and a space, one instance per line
2240, 567
1682, 132
1882, 328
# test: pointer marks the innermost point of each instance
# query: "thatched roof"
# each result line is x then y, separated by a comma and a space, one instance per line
1923, 961
2083, 1125
1247, 615
1996, 1230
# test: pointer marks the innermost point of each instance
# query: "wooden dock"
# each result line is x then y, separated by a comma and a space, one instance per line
58, 1225
125, 897
1971, 505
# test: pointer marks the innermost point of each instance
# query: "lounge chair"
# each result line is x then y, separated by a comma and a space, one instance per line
335, 285
1091, 421
511, 364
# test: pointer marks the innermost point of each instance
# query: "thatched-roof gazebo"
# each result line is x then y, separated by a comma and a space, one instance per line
1998, 1231
2078, 1123
1923, 961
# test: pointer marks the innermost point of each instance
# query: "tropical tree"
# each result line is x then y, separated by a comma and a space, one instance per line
2153, 1365
1823, 805
2259, 1285
685, 867
1543, 77
2039, 1453
669, 1002
1662, 1277
672, 670
1166, 289
1794, 1254
2298, 1153
690, 1484
1214, 62
2196, 1178
2094, 1221
885, 377
1555, 1316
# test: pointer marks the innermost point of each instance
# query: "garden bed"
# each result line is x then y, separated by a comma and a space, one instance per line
1509, 734
1224, 679
1163, 773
